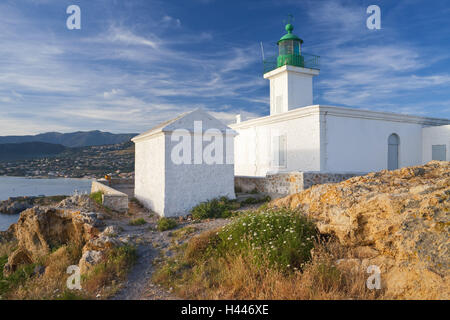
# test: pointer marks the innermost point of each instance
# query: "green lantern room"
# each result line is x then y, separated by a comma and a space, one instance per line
290, 49
290, 52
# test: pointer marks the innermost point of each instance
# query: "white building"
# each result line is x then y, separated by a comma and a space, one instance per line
182, 162
299, 144
300, 136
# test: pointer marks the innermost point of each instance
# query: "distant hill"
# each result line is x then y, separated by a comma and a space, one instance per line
74, 139
29, 150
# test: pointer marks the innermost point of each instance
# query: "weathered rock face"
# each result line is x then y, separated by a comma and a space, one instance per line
16, 205
41, 229
403, 215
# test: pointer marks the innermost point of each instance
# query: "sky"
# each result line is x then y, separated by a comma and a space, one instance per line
136, 63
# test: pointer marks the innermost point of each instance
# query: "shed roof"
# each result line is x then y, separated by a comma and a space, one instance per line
186, 121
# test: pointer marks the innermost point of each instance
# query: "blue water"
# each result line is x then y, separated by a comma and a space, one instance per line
16, 186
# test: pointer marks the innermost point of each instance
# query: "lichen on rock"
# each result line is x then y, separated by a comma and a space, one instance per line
403, 215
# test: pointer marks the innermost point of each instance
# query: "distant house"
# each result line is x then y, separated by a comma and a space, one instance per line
182, 162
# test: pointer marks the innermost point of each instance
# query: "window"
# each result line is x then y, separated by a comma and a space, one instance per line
438, 152
279, 151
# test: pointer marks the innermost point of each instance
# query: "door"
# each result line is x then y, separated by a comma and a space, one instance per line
393, 143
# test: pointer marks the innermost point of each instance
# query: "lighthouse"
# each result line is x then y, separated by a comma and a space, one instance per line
290, 74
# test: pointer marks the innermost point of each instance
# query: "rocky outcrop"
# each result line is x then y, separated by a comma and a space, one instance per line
40, 230
16, 205
399, 220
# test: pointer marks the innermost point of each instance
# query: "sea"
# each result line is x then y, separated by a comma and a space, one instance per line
18, 186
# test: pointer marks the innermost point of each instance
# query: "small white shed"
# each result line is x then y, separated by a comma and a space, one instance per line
184, 161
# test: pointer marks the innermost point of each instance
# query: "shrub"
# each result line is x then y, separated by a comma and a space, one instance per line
18, 278
215, 267
252, 200
166, 224
215, 208
115, 267
137, 222
281, 238
97, 197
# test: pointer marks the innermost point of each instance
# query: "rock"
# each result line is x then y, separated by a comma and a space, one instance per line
79, 202
89, 259
16, 259
101, 243
111, 231
41, 229
16, 205
398, 219
38, 271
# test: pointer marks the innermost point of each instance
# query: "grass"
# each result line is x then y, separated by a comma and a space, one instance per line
137, 222
252, 200
18, 278
97, 197
164, 224
218, 265
104, 278
215, 208
182, 233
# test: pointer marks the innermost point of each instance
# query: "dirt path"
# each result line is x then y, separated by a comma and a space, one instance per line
151, 244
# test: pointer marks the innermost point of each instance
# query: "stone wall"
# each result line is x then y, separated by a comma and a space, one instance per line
282, 184
111, 198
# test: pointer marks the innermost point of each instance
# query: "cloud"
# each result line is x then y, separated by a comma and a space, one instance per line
171, 22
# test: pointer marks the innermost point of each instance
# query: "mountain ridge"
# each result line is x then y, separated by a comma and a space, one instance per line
72, 139
29, 150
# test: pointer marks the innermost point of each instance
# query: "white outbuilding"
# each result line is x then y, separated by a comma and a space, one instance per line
182, 162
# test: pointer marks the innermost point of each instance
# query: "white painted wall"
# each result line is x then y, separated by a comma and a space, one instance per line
333, 139
290, 86
150, 172
361, 145
189, 184
253, 145
435, 136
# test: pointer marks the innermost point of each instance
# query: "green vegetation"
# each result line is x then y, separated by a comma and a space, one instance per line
104, 278
252, 200
215, 208
97, 197
264, 254
18, 278
115, 267
164, 224
281, 238
137, 222
182, 233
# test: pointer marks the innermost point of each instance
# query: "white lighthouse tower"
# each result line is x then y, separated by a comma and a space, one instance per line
291, 78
